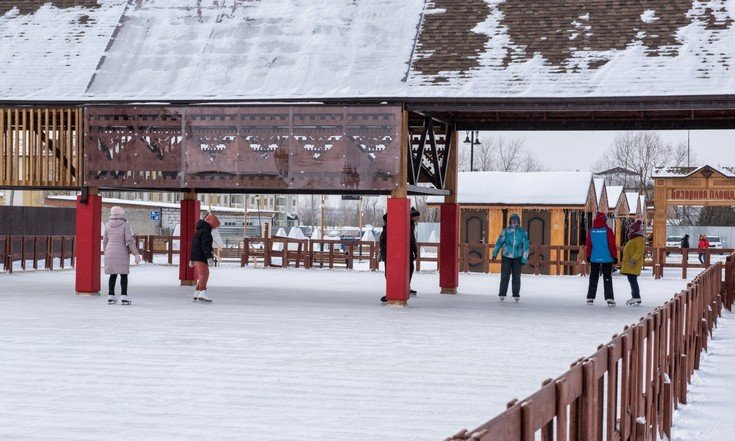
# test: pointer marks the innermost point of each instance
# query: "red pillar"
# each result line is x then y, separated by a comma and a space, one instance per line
88, 244
449, 248
187, 224
398, 253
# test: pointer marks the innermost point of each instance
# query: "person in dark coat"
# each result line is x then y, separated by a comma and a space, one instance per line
201, 256
685, 241
413, 248
118, 243
601, 254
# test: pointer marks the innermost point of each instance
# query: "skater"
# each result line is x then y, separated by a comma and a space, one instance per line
119, 244
685, 241
633, 261
513, 240
414, 250
601, 252
201, 257
412, 245
702, 245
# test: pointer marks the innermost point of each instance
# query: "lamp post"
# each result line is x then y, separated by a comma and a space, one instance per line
472, 138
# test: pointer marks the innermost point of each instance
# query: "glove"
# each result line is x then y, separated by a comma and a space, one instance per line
615, 260
138, 259
191, 264
211, 261
632, 262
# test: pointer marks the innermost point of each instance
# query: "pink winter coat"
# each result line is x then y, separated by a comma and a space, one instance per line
119, 244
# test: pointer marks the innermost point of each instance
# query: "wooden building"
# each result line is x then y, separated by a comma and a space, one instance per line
555, 208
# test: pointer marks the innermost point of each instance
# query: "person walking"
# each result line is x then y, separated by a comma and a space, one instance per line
513, 241
702, 245
601, 254
685, 241
201, 256
118, 243
632, 263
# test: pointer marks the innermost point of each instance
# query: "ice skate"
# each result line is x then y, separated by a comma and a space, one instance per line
517, 299
203, 297
384, 299
196, 295
502, 298
590, 301
412, 292
633, 302
111, 299
610, 302
125, 300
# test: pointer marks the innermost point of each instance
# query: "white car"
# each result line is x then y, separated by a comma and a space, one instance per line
674, 241
715, 242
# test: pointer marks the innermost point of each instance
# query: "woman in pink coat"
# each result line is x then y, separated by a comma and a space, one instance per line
119, 244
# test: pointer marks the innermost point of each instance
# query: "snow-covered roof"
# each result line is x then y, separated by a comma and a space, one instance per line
152, 204
599, 189
533, 188
614, 194
282, 49
632, 202
683, 172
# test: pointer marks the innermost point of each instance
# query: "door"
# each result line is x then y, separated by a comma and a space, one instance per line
538, 225
474, 228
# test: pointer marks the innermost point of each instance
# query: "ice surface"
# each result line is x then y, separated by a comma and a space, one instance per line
286, 354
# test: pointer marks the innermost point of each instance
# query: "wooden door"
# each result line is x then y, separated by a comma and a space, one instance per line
538, 225
474, 228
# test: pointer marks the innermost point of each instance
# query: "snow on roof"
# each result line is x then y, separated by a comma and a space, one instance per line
613, 195
281, 49
599, 187
533, 188
683, 172
117, 201
632, 202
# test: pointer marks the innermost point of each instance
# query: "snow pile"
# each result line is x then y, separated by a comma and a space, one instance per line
533, 188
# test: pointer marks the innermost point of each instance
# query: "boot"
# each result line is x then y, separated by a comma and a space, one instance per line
124, 299
196, 295
633, 302
203, 297
111, 299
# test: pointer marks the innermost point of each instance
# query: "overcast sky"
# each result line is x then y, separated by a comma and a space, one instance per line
559, 150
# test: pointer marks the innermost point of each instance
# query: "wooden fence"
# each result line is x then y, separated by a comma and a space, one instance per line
36, 250
41, 147
629, 388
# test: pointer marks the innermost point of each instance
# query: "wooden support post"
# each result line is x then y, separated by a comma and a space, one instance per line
449, 219
398, 225
187, 227
88, 254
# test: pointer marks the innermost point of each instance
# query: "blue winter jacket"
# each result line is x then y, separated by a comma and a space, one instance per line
514, 242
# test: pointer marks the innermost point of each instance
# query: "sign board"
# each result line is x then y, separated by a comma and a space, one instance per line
702, 195
350, 198
155, 215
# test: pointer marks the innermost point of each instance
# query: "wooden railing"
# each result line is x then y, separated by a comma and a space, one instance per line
36, 250
41, 147
629, 388
309, 253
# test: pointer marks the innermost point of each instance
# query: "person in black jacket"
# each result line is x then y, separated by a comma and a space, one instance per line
685, 241
201, 256
413, 248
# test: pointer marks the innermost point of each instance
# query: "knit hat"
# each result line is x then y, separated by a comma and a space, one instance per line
635, 229
414, 212
515, 217
117, 211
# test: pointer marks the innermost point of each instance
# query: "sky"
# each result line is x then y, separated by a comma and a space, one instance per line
580, 150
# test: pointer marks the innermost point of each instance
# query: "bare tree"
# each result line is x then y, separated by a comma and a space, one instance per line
373, 210
499, 154
308, 209
641, 153
509, 154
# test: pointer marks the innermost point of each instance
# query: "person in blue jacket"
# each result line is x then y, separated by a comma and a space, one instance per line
602, 255
513, 241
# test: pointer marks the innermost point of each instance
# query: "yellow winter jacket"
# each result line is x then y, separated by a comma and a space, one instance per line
633, 251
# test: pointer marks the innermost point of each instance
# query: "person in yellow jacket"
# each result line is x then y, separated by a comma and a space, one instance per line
632, 263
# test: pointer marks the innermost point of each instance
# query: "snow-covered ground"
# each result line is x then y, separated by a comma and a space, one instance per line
711, 397
286, 354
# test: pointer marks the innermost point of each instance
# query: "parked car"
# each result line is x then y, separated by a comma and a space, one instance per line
715, 242
674, 241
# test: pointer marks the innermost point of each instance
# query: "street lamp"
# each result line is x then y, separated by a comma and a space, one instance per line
472, 142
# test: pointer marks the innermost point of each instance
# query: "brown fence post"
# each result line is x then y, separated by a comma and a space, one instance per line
667, 407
